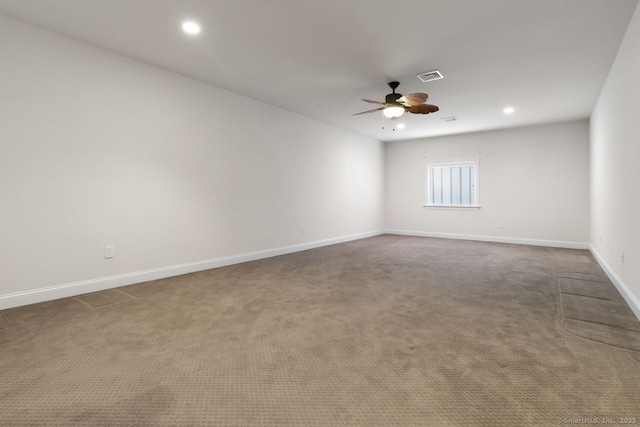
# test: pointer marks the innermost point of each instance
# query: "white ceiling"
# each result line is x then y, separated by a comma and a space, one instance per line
546, 58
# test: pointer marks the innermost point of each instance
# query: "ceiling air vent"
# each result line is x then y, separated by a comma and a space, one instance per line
430, 76
449, 119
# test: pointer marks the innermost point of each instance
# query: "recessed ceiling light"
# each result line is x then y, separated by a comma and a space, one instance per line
401, 126
509, 110
190, 27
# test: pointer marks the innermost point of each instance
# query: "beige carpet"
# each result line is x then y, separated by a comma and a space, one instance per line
387, 331
592, 308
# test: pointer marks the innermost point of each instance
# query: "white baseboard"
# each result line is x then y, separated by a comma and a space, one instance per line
629, 297
496, 239
18, 299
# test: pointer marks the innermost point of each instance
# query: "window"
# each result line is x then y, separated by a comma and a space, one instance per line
452, 184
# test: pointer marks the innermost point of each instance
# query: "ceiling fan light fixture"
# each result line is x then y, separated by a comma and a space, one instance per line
393, 112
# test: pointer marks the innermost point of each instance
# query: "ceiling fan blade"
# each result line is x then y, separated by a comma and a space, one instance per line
413, 99
423, 109
369, 111
370, 101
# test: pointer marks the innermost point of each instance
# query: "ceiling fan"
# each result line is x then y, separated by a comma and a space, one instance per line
396, 104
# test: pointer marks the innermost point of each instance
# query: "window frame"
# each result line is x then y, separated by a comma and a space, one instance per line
435, 163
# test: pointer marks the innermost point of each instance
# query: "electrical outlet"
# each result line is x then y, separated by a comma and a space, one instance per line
622, 257
303, 228
109, 252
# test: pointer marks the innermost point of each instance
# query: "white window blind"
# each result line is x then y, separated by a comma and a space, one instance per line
452, 184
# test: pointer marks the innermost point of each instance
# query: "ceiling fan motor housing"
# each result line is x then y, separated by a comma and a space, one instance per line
392, 98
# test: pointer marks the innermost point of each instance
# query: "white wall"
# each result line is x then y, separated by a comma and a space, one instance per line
533, 184
615, 169
97, 149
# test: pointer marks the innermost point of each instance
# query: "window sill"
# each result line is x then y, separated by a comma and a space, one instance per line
453, 207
